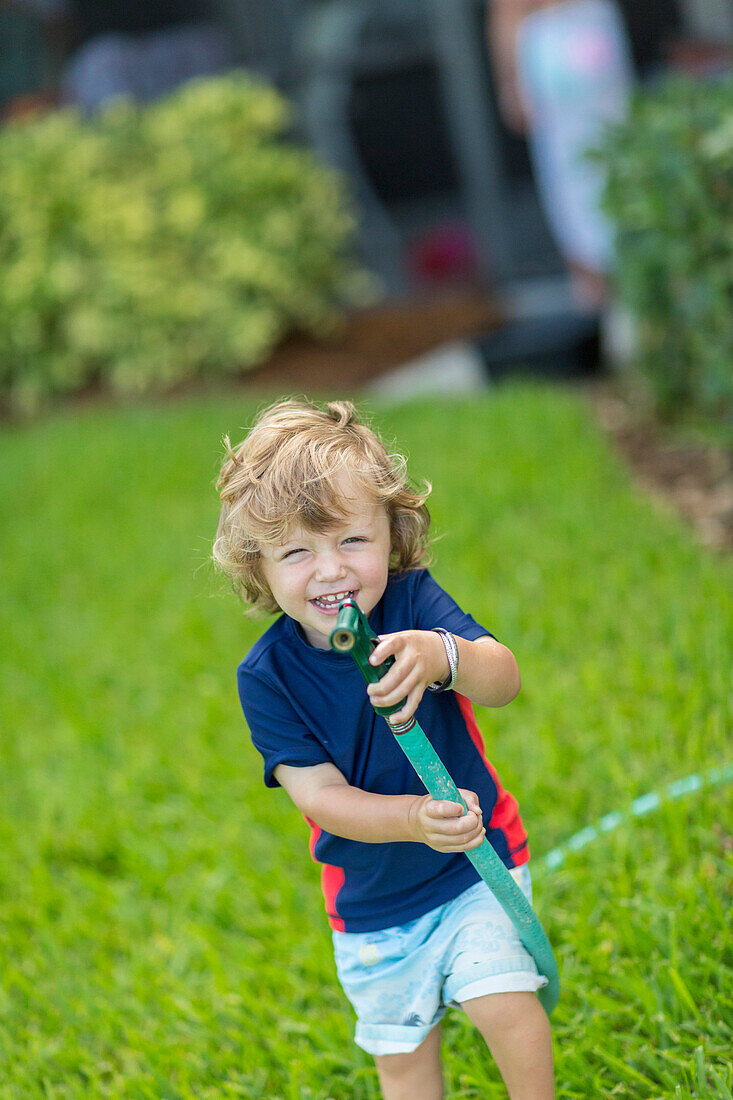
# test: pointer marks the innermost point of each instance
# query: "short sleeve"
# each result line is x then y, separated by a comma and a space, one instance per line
434, 607
277, 732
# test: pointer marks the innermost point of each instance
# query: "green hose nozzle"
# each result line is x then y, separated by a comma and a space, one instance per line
353, 634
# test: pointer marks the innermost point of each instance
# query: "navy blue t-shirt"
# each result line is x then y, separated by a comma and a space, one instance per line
307, 706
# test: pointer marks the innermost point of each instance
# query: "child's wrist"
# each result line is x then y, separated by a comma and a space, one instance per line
413, 821
435, 657
446, 663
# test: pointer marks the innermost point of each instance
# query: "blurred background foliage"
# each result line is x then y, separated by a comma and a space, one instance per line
670, 194
157, 243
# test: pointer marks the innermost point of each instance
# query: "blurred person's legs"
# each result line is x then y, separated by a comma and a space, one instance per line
570, 74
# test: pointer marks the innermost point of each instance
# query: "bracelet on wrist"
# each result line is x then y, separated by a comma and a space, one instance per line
451, 652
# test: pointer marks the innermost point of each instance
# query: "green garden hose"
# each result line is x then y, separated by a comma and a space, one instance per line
352, 634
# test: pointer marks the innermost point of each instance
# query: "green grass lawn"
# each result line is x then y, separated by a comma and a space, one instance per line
161, 924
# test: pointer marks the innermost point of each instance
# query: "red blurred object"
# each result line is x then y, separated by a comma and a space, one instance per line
699, 58
443, 254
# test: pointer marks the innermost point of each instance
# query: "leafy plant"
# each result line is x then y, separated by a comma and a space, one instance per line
670, 195
162, 242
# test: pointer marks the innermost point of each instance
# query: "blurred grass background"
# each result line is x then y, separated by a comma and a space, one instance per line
162, 924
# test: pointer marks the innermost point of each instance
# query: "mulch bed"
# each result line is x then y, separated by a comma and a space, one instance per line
374, 341
696, 479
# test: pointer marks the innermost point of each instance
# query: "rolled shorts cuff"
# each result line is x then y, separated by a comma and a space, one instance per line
378, 1039
517, 975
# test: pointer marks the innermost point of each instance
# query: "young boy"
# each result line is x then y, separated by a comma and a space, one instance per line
314, 509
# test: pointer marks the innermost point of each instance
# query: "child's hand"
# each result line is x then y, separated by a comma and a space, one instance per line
444, 826
419, 660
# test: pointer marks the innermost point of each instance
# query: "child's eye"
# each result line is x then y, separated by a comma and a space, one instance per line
290, 553
355, 538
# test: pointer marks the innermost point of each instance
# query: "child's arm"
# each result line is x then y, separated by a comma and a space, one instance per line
323, 795
487, 670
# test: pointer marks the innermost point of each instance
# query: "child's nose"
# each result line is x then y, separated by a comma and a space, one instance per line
331, 566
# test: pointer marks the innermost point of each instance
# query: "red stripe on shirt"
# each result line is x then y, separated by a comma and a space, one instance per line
332, 879
506, 811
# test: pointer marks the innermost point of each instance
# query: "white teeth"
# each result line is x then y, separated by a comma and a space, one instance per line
333, 598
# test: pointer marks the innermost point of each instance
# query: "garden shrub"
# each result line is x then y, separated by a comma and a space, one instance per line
670, 194
160, 242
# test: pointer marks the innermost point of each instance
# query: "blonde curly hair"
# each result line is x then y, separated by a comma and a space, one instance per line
285, 472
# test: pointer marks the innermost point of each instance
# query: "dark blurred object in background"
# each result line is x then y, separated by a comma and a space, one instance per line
50, 43
135, 17
27, 49
652, 27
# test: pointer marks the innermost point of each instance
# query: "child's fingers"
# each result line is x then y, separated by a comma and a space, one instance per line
459, 841
461, 845
471, 800
447, 828
388, 646
386, 695
445, 809
397, 679
476, 842
453, 817
410, 705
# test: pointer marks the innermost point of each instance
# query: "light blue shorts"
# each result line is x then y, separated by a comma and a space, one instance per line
401, 980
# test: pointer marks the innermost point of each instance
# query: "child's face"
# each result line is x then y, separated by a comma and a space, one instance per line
311, 572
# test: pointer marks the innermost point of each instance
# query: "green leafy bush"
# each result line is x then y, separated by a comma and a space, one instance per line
162, 242
670, 195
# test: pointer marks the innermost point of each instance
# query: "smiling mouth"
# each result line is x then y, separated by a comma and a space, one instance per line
329, 604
